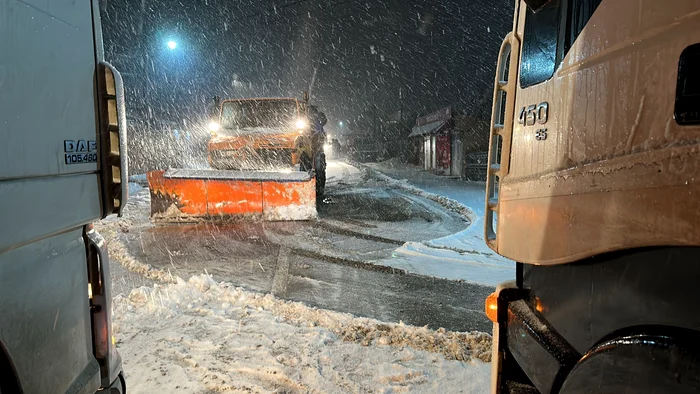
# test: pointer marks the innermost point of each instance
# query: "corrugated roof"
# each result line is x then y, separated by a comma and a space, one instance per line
430, 128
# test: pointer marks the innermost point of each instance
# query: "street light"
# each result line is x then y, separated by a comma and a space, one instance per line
172, 45
340, 123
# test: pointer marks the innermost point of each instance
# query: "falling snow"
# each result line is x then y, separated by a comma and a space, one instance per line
438, 53
372, 68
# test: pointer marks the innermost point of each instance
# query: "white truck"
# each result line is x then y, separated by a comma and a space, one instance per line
62, 166
593, 188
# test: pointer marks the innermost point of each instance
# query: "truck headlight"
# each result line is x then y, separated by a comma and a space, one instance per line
214, 126
302, 124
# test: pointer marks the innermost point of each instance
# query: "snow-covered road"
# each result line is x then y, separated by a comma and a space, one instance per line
459, 256
203, 334
330, 261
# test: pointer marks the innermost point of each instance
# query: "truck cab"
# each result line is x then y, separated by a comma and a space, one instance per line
268, 134
62, 167
259, 133
593, 189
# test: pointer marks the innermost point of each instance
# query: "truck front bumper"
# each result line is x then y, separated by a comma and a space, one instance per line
528, 356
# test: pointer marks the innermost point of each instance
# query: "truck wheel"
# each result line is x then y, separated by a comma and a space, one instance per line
320, 183
643, 363
320, 175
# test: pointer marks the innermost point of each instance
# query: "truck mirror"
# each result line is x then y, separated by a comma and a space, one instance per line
536, 5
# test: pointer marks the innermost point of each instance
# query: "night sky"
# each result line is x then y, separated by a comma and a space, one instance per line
358, 58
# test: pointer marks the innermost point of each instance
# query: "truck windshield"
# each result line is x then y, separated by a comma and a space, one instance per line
258, 113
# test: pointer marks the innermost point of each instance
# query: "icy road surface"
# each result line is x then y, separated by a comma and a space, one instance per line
328, 263
459, 256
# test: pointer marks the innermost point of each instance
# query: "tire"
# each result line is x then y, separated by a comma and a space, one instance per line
664, 362
320, 183
320, 175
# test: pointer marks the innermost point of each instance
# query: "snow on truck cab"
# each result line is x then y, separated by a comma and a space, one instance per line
593, 188
63, 166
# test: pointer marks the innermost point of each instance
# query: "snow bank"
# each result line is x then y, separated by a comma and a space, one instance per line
135, 216
446, 202
118, 252
200, 335
460, 256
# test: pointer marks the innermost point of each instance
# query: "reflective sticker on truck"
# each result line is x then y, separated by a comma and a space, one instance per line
80, 151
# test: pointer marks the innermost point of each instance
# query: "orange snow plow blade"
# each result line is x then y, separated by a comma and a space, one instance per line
190, 195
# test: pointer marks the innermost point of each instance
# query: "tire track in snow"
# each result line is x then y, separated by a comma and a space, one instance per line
346, 231
281, 279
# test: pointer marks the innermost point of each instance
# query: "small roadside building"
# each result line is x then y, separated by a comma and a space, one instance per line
446, 139
434, 130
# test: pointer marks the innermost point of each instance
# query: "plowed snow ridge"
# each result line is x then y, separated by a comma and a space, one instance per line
460, 256
197, 335
202, 335
405, 185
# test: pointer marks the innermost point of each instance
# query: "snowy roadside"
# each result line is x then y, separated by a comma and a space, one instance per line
203, 336
197, 335
460, 256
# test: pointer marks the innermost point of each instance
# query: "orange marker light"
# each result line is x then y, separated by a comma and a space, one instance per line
492, 307
538, 305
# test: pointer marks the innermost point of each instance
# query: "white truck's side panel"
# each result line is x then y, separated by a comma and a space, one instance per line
45, 315
47, 73
73, 202
47, 96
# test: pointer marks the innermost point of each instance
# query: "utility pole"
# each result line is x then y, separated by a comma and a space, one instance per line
144, 56
400, 106
374, 106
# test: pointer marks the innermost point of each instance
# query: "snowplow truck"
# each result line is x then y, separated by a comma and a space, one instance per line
594, 190
267, 161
